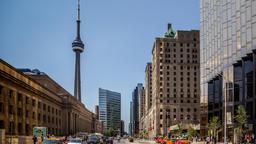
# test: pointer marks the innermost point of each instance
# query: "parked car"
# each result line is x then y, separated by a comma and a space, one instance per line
75, 141
93, 140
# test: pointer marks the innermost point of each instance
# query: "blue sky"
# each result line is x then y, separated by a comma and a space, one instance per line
118, 37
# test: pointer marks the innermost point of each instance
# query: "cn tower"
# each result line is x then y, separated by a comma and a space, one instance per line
78, 47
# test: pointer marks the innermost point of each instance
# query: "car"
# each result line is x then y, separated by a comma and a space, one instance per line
93, 140
110, 140
75, 141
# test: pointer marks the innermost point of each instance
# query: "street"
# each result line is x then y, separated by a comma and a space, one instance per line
125, 141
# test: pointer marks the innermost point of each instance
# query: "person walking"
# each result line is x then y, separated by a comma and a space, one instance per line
34, 139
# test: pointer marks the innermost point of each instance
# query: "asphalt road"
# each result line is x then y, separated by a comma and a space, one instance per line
125, 141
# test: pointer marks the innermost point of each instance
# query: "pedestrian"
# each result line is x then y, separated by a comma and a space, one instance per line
42, 138
34, 139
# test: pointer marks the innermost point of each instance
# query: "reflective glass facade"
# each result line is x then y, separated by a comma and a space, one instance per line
227, 57
110, 108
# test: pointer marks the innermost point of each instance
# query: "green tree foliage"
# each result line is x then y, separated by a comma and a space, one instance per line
109, 132
192, 132
241, 120
179, 130
214, 125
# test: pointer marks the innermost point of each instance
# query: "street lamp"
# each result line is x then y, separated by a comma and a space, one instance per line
225, 109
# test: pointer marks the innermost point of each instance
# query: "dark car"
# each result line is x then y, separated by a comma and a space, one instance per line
93, 140
110, 140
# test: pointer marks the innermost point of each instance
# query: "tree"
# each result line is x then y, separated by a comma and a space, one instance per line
179, 130
192, 132
109, 132
241, 120
214, 125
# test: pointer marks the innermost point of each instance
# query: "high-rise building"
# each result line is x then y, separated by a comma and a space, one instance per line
78, 47
121, 128
131, 119
141, 102
148, 87
135, 108
175, 82
97, 111
228, 57
110, 108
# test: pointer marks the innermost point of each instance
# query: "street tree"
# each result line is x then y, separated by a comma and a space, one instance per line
214, 125
240, 121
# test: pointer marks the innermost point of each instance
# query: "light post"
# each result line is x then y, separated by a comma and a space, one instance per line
225, 108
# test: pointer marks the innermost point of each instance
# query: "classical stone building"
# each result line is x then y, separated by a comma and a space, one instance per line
31, 98
174, 81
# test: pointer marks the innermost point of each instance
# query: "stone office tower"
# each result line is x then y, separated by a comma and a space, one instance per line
175, 82
78, 47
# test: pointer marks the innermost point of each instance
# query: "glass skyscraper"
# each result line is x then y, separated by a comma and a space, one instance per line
110, 109
228, 59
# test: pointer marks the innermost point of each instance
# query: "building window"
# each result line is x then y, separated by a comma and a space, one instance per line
181, 109
174, 110
188, 110
195, 101
1, 89
34, 115
1, 107
44, 107
39, 117
161, 116
44, 118
27, 113
27, 100
195, 110
39, 105
10, 109
49, 109
181, 44
181, 117
33, 102
10, 94
19, 97
19, 112
188, 117
181, 101
19, 127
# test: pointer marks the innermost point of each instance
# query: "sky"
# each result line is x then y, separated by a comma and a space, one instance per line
118, 37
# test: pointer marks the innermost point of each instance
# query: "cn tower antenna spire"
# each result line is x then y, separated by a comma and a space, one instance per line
78, 47
78, 10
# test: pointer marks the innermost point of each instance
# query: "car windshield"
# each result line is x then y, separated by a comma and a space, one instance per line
93, 138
